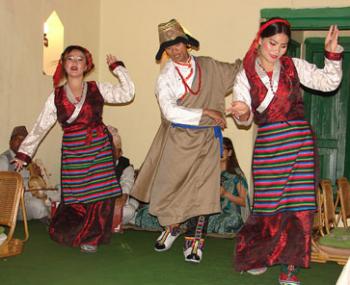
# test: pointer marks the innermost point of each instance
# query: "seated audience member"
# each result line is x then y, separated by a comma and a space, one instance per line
233, 195
126, 176
35, 207
145, 220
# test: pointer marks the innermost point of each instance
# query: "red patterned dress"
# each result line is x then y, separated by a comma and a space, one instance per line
279, 229
88, 179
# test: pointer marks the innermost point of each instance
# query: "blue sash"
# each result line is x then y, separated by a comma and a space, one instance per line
217, 132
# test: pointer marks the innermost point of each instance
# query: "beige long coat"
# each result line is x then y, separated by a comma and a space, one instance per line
180, 176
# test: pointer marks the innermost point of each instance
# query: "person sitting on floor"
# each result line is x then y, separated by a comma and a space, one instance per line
145, 220
126, 176
35, 207
233, 194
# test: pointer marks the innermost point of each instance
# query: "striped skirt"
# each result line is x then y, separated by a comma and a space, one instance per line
279, 229
88, 170
283, 168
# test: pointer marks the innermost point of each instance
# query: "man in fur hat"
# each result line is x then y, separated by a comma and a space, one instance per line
180, 176
35, 207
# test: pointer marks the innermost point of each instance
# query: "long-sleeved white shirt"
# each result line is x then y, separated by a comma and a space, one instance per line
169, 89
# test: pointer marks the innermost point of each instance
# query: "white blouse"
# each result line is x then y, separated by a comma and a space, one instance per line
169, 89
122, 92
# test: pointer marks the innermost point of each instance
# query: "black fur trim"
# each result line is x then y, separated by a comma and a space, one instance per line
188, 41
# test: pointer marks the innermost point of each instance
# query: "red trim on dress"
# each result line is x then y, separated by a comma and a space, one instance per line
115, 64
22, 156
333, 55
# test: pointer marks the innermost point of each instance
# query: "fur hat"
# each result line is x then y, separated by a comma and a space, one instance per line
171, 33
19, 131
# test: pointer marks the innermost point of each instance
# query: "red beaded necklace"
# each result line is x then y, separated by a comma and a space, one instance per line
184, 82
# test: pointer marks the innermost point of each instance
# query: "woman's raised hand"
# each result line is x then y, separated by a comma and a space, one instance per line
331, 41
110, 59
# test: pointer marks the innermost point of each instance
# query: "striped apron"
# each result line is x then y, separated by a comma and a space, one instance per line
88, 172
283, 168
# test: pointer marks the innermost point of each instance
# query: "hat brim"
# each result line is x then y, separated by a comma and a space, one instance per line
189, 40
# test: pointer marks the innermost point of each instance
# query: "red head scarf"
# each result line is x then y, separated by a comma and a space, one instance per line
60, 70
250, 56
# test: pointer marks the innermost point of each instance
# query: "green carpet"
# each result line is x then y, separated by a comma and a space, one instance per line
130, 259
